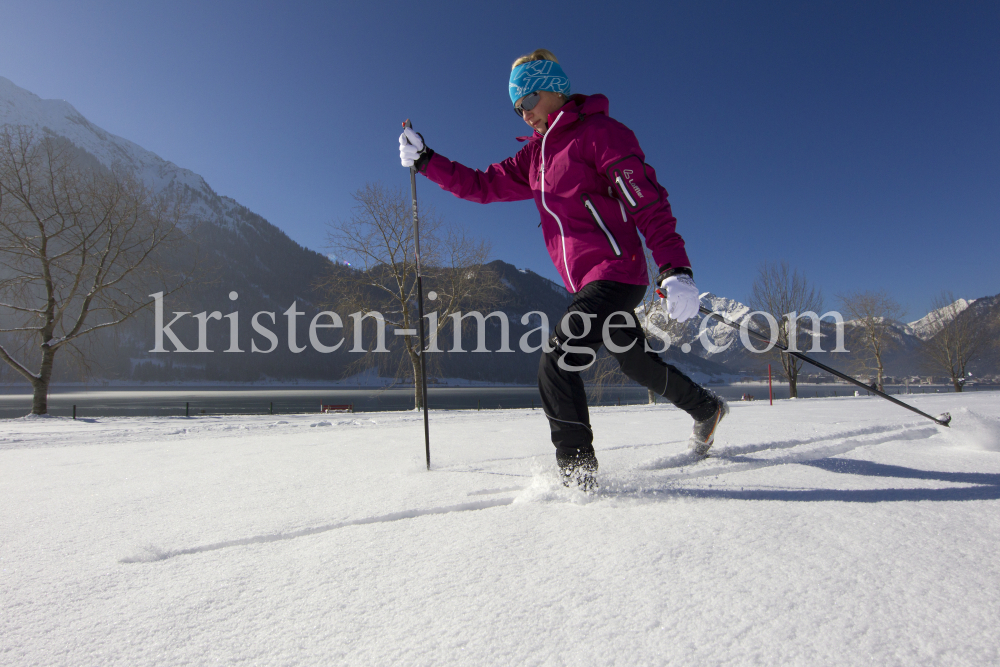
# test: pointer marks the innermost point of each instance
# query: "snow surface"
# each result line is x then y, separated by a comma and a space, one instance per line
822, 532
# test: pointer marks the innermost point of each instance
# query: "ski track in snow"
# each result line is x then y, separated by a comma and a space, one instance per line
733, 458
724, 460
736, 458
153, 553
546, 487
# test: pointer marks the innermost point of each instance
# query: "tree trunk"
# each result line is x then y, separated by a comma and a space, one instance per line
417, 380
652, 396
40, 398
792, 373
40, 385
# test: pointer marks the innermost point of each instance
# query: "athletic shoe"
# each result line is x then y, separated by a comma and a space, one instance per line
703, 434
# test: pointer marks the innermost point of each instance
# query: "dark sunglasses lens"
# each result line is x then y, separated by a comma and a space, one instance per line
528, 103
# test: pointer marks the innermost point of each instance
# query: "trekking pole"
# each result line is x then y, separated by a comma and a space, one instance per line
420, 308
943, 419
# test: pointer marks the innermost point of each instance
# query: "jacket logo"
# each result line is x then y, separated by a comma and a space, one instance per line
628, 177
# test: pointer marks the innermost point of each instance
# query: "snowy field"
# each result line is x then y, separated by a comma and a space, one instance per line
840, 531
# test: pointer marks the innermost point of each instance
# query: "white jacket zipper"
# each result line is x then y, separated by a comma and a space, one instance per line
562, 234
597, 218
621, 184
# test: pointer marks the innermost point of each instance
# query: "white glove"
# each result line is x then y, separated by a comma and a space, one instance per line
682, 297
411, 145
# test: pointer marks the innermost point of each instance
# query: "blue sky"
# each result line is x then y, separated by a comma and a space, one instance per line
860, 141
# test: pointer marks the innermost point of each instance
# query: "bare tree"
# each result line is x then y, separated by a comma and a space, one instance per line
873, 314
378, 236
781, 291
956, 339
79, 248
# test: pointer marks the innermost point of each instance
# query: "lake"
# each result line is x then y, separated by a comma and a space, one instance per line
173, 400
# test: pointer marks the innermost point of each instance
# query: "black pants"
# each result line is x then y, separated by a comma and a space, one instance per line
559, 381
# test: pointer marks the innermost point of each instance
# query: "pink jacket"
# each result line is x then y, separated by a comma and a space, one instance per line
593, 190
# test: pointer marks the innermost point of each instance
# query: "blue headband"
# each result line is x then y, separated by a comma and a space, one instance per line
537, 75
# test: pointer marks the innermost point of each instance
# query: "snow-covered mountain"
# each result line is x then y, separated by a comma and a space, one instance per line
59, 118
242, 251
931, 323
721, 345
722, 335
248, 255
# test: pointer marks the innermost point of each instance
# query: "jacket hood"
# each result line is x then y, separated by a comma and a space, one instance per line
588, 104
579, 106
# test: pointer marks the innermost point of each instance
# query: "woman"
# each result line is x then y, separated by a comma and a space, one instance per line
594, 192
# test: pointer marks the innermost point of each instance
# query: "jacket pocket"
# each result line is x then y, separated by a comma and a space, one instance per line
589, 204
624, 189
635, 183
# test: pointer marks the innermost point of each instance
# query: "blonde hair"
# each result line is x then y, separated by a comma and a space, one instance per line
537, 54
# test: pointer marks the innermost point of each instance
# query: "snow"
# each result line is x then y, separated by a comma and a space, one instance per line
823, 531
719, 334
58, 117
932, 322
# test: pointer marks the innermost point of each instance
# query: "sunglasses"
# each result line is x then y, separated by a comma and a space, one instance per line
529, 102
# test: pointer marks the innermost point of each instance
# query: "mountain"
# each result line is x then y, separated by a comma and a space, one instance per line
981, 315
903, 358
985, 313
59, 118
267, 271
931, 323
241, 251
